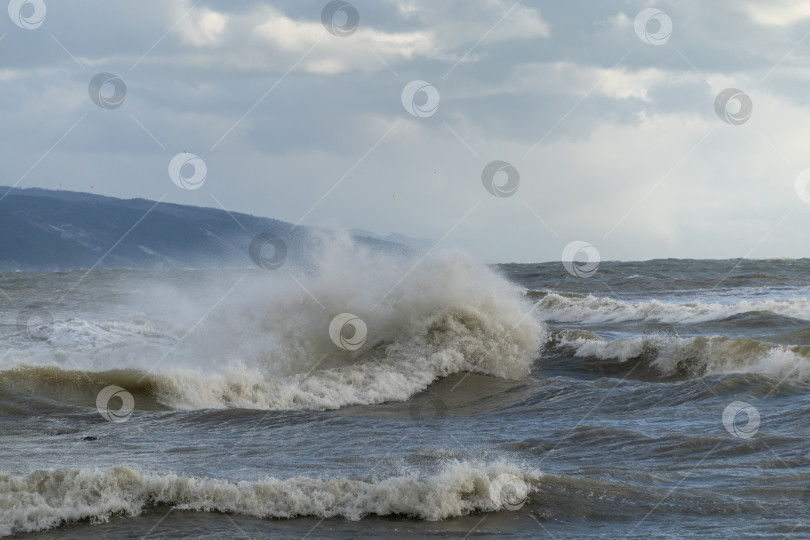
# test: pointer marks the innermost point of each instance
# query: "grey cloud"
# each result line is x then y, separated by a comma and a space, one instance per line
526, 78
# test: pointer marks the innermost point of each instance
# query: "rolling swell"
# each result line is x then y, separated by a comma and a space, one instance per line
80, 388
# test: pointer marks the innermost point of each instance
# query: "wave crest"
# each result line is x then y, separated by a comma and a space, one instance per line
45, 499
596, 309
450, 314
687, 357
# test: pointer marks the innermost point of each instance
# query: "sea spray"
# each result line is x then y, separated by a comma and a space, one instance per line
261, 338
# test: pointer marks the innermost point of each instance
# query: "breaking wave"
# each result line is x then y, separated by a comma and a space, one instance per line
48, 498
573, 308
673, 356
267, 342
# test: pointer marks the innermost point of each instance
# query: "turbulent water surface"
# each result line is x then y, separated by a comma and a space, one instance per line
655, 398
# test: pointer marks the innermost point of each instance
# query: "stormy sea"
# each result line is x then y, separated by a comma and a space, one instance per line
385, 395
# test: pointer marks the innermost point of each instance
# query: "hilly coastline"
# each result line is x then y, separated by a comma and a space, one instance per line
48, 230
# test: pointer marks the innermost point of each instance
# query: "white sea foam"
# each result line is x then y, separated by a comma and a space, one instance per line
592, 309
699, 355
84, 333
45, 499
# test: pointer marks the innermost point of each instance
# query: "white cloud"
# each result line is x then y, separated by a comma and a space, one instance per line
336, 54
619, 21
288, 34
440, 38
9, 74
202, 27
571, 78
777, 12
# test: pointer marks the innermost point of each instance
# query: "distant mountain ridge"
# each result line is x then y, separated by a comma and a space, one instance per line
44, 229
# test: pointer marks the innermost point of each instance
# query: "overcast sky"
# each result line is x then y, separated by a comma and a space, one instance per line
604, 114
